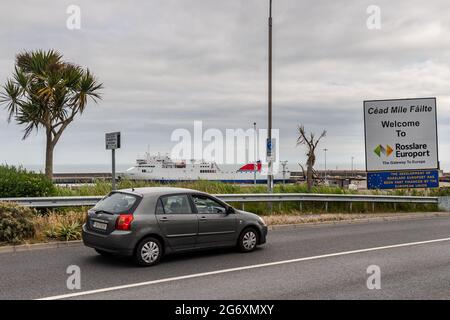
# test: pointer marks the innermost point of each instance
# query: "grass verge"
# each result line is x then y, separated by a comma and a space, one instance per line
102, 188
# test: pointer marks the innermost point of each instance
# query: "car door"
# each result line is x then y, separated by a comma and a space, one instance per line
178, 221
215, 226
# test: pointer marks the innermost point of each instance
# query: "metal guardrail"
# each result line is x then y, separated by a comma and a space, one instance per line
301, 197
56, 202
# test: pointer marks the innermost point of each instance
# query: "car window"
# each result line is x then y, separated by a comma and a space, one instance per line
159, 207
116, 202
176, 204
207, 205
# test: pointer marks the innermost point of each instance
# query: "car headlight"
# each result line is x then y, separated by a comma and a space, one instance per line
261, 221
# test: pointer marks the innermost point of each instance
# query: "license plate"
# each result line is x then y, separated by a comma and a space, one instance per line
99, 225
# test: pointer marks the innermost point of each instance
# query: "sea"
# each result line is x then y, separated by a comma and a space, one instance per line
79, 168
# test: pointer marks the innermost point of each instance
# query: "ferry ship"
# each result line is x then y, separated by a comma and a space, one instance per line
162, 168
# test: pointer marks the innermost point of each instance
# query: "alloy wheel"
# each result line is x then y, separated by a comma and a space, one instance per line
249, 240
150, 252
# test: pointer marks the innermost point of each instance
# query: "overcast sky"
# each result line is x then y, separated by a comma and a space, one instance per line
166, 63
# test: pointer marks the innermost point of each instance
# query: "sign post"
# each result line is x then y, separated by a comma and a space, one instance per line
271, 150
112, 141
401, 143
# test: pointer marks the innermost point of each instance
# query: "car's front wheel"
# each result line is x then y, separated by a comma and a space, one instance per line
248, 240
148, 252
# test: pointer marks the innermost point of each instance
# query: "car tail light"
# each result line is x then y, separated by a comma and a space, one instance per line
124, 222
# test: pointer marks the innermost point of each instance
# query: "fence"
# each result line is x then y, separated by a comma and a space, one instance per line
59, 202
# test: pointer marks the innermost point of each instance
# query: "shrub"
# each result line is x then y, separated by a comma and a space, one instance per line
68, 231
60, 225
18, 182
16, 222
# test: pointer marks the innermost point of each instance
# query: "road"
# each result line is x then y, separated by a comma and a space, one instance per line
317, 262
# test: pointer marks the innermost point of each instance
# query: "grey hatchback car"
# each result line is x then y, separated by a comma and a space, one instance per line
147, 223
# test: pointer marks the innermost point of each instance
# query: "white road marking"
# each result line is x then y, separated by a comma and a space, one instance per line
262, 265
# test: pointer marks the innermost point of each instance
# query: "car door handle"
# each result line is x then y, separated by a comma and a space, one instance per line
163, 219
202, 218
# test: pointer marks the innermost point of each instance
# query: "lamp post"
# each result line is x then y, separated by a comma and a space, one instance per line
269, 124
284, 164
255, 144
352, 164
325, 151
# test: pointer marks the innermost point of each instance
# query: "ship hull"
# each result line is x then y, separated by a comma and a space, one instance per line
162, 169
237, 181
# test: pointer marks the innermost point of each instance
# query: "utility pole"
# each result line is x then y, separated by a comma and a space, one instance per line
325, 150
255, 144
284, 163
352, 164
269, 126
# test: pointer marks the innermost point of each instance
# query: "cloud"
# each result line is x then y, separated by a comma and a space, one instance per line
166, 63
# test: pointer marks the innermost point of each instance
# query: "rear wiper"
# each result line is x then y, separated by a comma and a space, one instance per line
103, 211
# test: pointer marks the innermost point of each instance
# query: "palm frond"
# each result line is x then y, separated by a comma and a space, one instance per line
88, 87
47, 91
11, 97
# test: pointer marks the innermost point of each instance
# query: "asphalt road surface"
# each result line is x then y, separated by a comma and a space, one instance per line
321, 262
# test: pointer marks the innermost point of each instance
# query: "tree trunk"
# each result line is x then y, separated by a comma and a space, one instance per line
309, 176
49, 155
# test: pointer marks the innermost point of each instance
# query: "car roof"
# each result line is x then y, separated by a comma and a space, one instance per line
158, 191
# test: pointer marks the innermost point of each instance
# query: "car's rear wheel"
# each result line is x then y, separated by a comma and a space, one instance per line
104, 253
248, 240
148, 252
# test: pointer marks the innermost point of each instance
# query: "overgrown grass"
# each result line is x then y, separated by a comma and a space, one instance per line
102, 188
300, 218
59, 225
293, 208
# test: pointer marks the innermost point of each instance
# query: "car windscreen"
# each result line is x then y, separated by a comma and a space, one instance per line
117, 202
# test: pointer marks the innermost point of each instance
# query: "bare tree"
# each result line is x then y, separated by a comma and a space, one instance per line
311, 142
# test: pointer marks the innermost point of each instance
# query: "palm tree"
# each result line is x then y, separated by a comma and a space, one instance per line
311, 143
47, 92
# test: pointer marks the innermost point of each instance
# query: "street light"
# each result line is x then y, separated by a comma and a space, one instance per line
352, 164
255, 139
284, 164
269, 145
325, 150
269, 126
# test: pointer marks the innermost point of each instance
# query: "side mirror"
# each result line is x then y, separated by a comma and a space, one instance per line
230, 210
